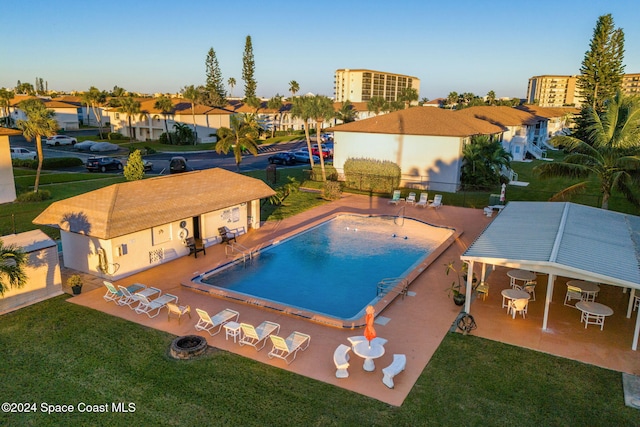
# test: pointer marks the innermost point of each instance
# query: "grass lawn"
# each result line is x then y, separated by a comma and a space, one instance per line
56, 352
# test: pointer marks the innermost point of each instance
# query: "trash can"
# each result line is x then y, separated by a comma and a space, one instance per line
494, 199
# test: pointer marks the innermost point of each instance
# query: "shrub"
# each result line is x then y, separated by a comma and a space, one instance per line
116, 136
134, 170
24, 163
316, 173
331, 190
51, 164
380, 176
31, 196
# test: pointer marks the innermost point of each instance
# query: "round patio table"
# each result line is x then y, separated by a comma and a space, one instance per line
593, 313
589, 289
368, 352
512, 294
522, 275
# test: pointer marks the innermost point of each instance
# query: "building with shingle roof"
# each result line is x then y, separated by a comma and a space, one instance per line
66, 113
425, 142
128, 227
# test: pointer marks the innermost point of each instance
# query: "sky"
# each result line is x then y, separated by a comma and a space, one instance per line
161, 45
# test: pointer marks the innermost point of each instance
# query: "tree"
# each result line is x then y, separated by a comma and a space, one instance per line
241, 136
39, 123
602, 69
483, 160
275, 103
165, 105
301, 108
491, 98
95, 98
452, 99
377, 104
347, 113
5, 102
294, 87
253, 102
407, 95
216, 96
610, 153
248, 70
13, 260
25, 89
131, 108
193, 95
321, 109
184, 135
134, 170
232, 83
118, 92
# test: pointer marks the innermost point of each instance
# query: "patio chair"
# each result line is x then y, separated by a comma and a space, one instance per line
257, 336
113, 294
424, 200
395, 198
195, 246
285, 348
483, 289
530, 287
437, 201
341, 360
636, 302
398, 365
177, 310
518, 306
573, 292
226, 235
128, 294
411, 199
214, 324
152, 307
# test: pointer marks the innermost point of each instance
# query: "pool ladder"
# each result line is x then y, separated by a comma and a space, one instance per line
391, 284
245, 252
399, 216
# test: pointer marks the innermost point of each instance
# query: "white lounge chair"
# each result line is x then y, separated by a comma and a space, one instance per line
424, 200
341, 360
437, 201
395, 198
112, 294
285, 348
257, 336
411, 199
214, 324
128, 294
397, 366
152, 307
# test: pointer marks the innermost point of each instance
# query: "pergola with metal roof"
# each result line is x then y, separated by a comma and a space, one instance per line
562, 239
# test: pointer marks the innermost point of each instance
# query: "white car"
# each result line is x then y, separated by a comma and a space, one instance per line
60, 140
23, 154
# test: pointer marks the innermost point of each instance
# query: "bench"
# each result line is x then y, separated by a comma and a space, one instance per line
341, 360
397, 366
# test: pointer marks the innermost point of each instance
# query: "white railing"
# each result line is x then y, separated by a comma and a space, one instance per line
537, 152
232, 248
509, 173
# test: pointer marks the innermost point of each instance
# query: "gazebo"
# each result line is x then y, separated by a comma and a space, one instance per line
562, 239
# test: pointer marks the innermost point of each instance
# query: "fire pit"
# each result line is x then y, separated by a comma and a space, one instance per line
187, 347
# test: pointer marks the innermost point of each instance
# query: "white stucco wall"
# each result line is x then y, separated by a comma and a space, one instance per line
433, 159
7, 184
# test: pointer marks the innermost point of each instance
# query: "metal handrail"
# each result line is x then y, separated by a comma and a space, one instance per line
385, 285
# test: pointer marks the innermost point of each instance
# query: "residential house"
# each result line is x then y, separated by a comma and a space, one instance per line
125, 228
425, 142
7, 183
560, 118
66, 114
86, 115
524, 132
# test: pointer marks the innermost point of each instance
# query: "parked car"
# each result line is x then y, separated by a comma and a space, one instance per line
177, 164
103, 164
23, 154
85, 145
303, 157
60, 140
147, 165
326, 152
282, 158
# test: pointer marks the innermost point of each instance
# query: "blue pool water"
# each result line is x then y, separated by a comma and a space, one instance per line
333, 268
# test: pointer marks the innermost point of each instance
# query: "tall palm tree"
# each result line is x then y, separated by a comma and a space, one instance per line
452, 99
275, 103
242, 135
131, 108
407, 95
294, 87
194, 95
347, 113
232, 83
321, 110
301, 109
95, 98
12, 263
377, 104
165, 105
5, 102
610, 152
39, 123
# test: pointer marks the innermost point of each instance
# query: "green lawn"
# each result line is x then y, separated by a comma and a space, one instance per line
56, 352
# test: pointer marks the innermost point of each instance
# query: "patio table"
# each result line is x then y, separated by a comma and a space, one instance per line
593, 313
368, 352
522, 275
513, 294
589, 289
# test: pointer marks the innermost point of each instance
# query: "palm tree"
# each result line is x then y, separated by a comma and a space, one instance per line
377, 104
484, 159
242, 135
39, 123
5, 102
94, 99
193, 95
165, 105
407, 95
130, 107
321, 109
610, 152
294, 87
491, 97
275, 103
301, 109
12, 263
452, 99
347, 113
232, 83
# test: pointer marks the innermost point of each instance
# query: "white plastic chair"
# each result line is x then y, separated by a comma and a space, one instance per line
411, 199
530, 287
572, 293
518, 306
424, 200
437, 201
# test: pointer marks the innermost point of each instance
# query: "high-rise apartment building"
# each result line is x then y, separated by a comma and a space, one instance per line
362, 85
631, 84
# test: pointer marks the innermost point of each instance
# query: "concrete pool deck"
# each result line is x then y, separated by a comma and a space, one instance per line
416, 324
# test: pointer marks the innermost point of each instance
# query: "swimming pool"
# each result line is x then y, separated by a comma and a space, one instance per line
330, 272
